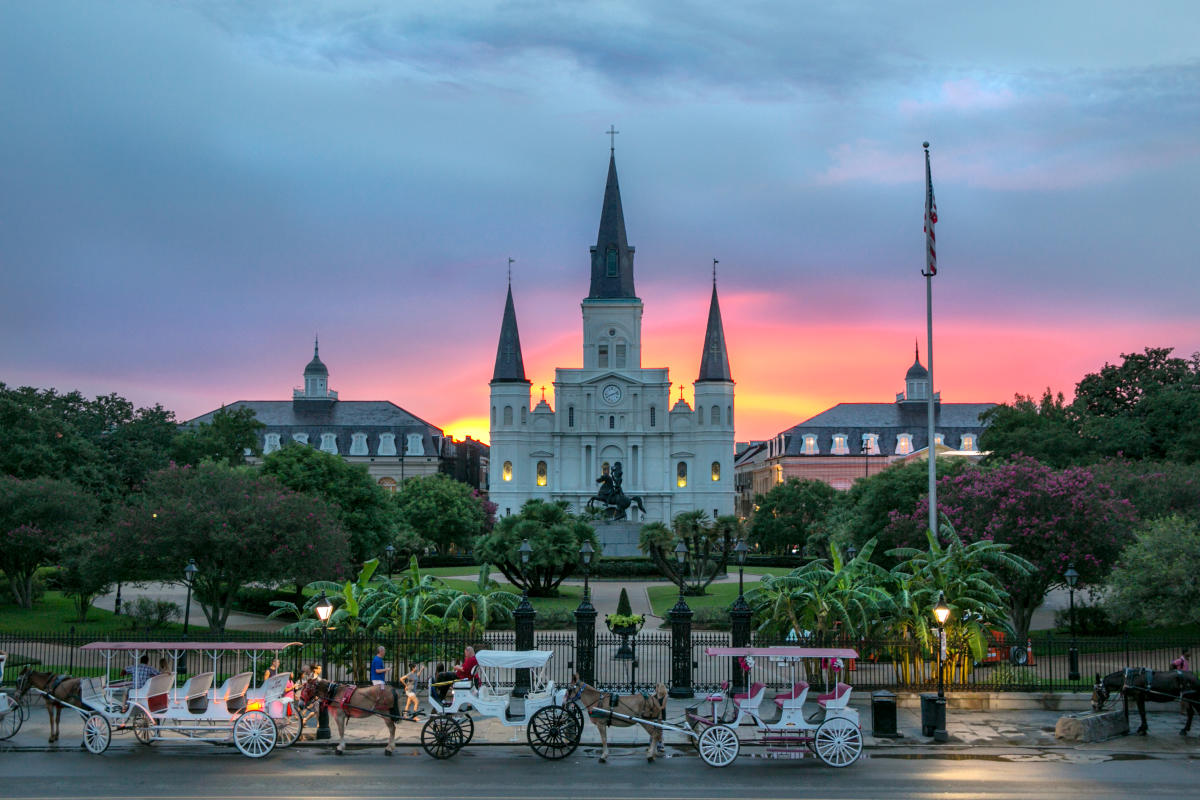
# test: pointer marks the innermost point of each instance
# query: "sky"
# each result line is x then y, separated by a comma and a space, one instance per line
189, 192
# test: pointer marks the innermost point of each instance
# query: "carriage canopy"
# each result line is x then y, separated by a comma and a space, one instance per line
513, 659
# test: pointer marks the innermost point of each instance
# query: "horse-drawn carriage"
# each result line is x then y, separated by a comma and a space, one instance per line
553, 729
256, 720
12, 712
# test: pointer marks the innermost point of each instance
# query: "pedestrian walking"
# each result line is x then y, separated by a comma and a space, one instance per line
379, 670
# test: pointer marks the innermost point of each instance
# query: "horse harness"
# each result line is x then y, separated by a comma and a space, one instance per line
1148, 676
338, 696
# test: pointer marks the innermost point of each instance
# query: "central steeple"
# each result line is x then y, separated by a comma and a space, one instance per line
612, 257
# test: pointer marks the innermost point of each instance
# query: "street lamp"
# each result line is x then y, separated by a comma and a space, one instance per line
585, 621
680, 617
941, 612
1072, 578
585, 555
681, 552
324, 608
851, 552
389, 551
739, 553
523, 616
189, 577
739, 616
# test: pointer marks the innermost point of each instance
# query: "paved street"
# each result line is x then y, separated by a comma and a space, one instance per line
183, 772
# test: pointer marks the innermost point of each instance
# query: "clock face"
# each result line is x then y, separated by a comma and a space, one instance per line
611, 394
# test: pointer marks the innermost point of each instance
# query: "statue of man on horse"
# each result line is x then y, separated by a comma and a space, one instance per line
614, 503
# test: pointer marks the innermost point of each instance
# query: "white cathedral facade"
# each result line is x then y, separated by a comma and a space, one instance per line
612, 410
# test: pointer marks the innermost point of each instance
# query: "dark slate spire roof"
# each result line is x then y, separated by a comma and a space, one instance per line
510, 367
316, 367
714, 361
606, 284
916, 370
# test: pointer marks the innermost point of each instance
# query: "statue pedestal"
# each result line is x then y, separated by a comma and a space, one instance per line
619, 538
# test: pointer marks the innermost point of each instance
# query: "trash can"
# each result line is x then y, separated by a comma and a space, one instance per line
883, 715
933, 716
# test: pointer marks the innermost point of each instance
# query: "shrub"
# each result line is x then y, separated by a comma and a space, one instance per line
624, 609
150, 614
1090, 620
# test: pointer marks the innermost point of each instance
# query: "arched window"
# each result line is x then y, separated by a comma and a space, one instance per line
570, 416
714, 415
541, 473
388, 483
681, 474
508, 415
602, 355
493, 415
619, 354
612, 422
729, 416
716, 470
652, 415
610, 262
523, 417
506, 472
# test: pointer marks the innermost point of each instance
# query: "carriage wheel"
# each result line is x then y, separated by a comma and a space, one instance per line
11, 716
290, 726
553, 732
255, 734
719, 745
143, 726
97, 733
468, 726
577, 719
838, 742
442, 736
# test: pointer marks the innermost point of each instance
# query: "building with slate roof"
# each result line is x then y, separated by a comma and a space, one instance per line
393, 443
612, 411
854, 440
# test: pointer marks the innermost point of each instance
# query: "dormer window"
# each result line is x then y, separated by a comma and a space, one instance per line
358, 444
329, 443
272, 443
904, 444
810, 445
840, 447
610, 262
870, 444
968, 443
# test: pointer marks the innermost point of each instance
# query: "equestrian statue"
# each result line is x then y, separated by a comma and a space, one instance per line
614, 504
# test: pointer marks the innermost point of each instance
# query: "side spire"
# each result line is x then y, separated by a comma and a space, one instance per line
714, 361
510, 367
612, 257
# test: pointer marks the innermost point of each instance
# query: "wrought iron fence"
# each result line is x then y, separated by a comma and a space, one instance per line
646, 661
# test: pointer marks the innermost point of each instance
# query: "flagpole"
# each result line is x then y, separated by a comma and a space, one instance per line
929, 272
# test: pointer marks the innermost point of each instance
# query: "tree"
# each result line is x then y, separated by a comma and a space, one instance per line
1047, 430
1155, 578
442, 510
38, 517
789, 513
241, 526
1154, 488
708, 549
485, 604
1051, 518
87, 569
226, 439
555, 536
363, 508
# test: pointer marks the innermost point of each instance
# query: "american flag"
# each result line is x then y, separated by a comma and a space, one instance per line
930, 219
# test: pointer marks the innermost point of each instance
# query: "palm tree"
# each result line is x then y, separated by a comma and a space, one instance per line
485, 604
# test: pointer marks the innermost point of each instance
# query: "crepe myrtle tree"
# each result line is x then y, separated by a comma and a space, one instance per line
555, 536
241, 526
38, 518
1051, 518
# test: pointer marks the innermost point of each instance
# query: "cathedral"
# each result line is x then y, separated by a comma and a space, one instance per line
613, 418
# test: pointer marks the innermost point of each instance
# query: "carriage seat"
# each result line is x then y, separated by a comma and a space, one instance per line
793, 698
233, 692
155, 693
91, 692
273, 688
469, 682
537, 697
194, 692
838, 698
750, 701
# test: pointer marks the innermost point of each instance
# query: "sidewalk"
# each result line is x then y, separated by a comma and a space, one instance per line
984, 734
238, 620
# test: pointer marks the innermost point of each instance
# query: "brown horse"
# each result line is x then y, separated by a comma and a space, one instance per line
598, 704
345, 700
1141, 684
56, 687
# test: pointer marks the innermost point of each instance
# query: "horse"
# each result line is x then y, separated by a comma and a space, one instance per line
597, 704
616, 506
1144, 684
56, 687
355, 701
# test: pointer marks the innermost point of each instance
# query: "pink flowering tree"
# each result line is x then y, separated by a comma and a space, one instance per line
1051, 518
240, 526
37, 518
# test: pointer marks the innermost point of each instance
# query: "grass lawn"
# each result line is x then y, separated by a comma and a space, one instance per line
761, 570
567, 600
55, 613
720, 595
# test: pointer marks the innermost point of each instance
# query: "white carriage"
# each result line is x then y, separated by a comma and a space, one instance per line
256, 719
552, 730
12, 712
782, 727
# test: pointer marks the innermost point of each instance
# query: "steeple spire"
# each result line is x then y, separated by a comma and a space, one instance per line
510, 367
612, 257
714, 361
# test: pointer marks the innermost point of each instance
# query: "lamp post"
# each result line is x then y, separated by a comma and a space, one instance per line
324, 608
739, 615
523, 618
1072, 577
189, 577
941, 612
585, 622
851, 552
680, 617
389, 551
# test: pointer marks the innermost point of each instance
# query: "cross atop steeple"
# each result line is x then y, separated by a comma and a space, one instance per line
612, 138
510, 263
715, 262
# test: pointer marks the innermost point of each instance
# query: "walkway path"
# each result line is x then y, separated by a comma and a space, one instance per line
238, 620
